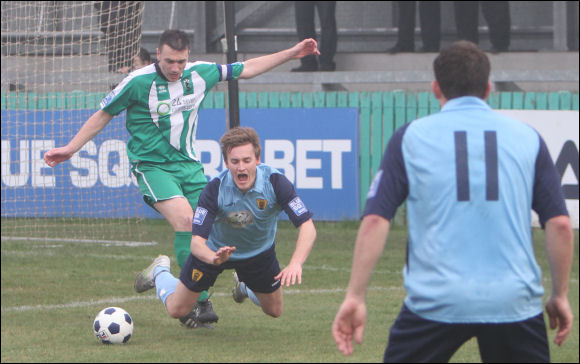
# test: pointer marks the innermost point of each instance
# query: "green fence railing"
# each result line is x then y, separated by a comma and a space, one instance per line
380, 113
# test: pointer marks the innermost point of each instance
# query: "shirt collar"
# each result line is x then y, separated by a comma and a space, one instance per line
258, 183
465, 102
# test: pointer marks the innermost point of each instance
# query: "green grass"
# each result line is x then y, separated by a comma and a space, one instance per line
51, 292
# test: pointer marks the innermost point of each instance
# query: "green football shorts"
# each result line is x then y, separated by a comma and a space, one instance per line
158, 182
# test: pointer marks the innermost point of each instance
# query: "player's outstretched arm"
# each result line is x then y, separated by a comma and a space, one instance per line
560, 250
293, 271
90, 128
201, 251
350, 319
256, 66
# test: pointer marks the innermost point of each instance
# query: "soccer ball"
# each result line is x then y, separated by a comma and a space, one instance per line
113, 325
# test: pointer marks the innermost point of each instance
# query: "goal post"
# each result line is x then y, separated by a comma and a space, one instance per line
59, 59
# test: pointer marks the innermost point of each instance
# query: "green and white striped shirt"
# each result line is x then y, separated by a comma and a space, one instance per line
162, 116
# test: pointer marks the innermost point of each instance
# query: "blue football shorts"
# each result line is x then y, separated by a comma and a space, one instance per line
257, 272
414, 339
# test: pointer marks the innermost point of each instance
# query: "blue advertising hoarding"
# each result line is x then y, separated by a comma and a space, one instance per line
317, 149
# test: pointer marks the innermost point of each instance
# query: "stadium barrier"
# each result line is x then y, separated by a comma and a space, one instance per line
380, 113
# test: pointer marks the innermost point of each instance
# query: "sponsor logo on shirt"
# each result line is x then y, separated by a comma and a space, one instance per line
240, 219
199, 217
184, 103
297, 206
163, 108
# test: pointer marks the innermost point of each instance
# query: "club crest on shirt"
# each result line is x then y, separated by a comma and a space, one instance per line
261, 203
240, 219
187, 83
196, 275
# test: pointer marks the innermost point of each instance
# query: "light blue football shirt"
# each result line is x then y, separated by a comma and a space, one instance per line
471, 177
227, 217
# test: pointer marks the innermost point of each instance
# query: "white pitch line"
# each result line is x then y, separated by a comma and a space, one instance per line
118, 300
323, 267
50, 252
81, 241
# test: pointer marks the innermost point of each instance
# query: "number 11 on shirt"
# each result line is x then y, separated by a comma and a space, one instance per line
462, 167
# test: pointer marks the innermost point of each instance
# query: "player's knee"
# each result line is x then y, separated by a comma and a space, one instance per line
178, 311
185, 222
275, 311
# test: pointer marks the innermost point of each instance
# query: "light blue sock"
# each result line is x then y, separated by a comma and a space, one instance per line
248, 292
165, 283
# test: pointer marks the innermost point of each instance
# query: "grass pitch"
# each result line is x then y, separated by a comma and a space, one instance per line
52, 290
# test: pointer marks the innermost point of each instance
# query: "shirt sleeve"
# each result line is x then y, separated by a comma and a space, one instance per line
390, 186
289, 200
119, 98
206, 210
230, 71
548, 199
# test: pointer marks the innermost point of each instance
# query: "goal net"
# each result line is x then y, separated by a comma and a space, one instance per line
59, 60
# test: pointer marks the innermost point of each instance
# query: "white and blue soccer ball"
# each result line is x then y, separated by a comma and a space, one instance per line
113, 325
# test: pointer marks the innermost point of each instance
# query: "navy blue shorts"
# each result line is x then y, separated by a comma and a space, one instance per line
413, 339
257, 272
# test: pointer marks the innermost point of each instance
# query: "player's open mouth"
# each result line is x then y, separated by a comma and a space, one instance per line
243, 177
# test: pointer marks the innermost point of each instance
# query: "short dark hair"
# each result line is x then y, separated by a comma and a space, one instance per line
240, 136
462, 69
176, 39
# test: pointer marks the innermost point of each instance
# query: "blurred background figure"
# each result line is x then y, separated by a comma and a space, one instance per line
118, 21
497, 16
305, 29
142, 59
430, 19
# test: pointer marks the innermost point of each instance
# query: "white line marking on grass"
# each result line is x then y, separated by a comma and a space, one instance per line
347, 270
81, 241
118, 300
50, 252
107, 301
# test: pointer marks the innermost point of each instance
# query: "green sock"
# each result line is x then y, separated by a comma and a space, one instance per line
182, 248
204, 295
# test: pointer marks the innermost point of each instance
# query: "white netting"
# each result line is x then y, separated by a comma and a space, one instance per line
59, 59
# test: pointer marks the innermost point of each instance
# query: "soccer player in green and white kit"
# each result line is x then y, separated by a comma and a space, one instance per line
162, 102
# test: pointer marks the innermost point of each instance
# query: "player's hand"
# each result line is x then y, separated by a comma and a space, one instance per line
305, 48
561, 317
56, 156
349, 324
223, 254
289, 275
